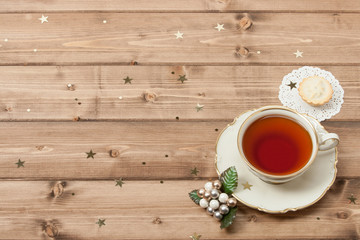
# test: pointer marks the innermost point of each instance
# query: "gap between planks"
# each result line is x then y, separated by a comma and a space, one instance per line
155, 120
135, 179
177, 11
187, 64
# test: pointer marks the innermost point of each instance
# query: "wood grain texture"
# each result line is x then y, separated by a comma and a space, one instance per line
148, 38
154, 125
148, 150
181, 5
225, 91
130, 211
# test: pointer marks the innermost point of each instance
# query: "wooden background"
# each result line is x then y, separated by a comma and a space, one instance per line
159, 142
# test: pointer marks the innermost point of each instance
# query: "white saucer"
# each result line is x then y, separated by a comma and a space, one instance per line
291, 196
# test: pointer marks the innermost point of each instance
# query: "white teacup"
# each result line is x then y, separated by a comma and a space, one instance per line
320, 141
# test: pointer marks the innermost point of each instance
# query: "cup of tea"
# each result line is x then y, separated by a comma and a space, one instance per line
279, 144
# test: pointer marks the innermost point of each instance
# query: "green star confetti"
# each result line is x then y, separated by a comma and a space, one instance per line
101, 222
20, 163
352, 199
119, 182
182, 78
90, 154
127, 80
291, 85
194, 171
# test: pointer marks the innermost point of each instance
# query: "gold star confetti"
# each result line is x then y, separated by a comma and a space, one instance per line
20, 163
194, 171
199, 107
90, 154
182, 78
119, 182
298, 53
247, 186
127, 80
179, 35
220, 27
195, 236
291, 85
43, 19
101, 222
352, 199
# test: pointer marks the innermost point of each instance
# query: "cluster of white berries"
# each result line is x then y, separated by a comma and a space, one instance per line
217, 204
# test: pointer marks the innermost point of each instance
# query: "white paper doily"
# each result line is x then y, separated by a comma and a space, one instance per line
290, 97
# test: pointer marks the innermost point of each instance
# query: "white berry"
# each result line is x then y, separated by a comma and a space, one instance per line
214, 204
204, 203
214, 193
208, 186
223, 197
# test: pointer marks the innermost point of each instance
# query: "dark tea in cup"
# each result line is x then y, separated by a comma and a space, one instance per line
277, 145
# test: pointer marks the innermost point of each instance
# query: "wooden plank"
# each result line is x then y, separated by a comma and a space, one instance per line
131, 213
147, 150
149, 38
180, 5
225, 91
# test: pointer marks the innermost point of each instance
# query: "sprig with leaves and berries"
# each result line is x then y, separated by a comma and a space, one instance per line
216, 198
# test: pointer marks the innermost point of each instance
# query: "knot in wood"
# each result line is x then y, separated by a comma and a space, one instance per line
149, 96
252, 218
242, 51
8, 109
71, 87
51, 230
157, 220
342, 215
76, 119
114, 153
58, 189
40, 147
245, 23
133, 63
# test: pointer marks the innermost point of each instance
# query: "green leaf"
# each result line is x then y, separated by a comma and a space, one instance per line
193, 195
229, 180
228, 218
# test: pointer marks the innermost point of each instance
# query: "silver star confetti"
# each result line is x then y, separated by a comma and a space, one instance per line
298, 53
43, 19
220, 27
179, 34
199, 107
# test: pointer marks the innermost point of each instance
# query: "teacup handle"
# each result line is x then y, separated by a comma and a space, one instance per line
328, 141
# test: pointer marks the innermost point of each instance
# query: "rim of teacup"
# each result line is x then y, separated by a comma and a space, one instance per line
272, 176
